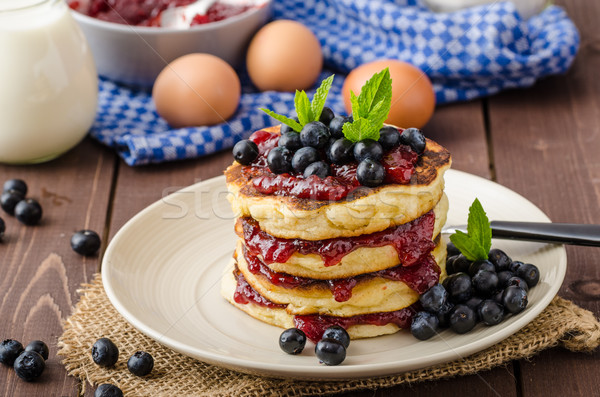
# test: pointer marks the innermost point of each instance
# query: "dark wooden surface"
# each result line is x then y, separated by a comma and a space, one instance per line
542, 142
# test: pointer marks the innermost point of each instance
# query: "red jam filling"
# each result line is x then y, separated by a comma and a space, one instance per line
411, 240
244, 294
399, 164
419, 277
147, 13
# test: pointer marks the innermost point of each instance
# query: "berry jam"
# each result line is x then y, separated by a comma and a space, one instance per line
419, 277
399, 164
244, 294
411, 240
314, 325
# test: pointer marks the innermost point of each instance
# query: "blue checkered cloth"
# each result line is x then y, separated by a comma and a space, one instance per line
467, 54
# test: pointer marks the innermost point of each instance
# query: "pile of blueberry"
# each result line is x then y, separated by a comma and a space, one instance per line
28, 362
330, 350
480, 291
321, 143
106, 354
14, 202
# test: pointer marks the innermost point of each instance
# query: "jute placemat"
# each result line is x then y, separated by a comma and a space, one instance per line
561, 323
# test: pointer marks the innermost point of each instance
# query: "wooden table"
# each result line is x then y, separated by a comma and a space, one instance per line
542, 142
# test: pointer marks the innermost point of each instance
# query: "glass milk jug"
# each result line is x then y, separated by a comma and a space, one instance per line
48, 81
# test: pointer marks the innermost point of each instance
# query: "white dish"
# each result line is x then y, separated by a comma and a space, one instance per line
162, 272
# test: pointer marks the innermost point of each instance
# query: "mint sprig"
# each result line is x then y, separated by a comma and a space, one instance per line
371, 108
306, 110
476, 243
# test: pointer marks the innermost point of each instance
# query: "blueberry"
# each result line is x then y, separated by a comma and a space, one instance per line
28, 211
485, 282
315, 134
458, 286
303, 158
318, 168
474, 303
284, 129
330, 351
479, 265
336, 124
450, 264
85, 242
530, 273
2, 228
462, 319
503, 278
434, 299
338, 333
29, 366
514, 299
497, 297
414, 138
368, 149
105, 353
490, 312
15, 184
108, 390
279, 160
514, 266
9, 351
292, 341
140, 364
461, 264
451, 249
389, 137
9, 200
326, 115
245, 152
499, 258
39, 347
518, 282
443, 315
341, 151
290, 140
370, 173
424, 325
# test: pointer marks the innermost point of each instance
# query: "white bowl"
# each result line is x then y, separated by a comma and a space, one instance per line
135, 55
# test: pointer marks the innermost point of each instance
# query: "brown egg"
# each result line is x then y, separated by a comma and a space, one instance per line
284, 56
413, 99
195, 90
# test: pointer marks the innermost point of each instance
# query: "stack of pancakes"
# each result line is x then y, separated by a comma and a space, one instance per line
360, 262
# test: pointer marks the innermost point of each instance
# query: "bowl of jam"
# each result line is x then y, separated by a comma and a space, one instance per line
133, 40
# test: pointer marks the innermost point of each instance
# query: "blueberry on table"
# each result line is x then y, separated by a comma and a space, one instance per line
451, 249
485, 282
292, 341
370, 173
9, 351
500, 260
336, 124
318, 168
28, 212
389, 137
462, 319
279, 160
85, 242
140, 363
29, 366
315, 134
245, 152
515, 265
108, 390
459, 287
479, 265
341, 151
503, 278
518, 282
9, 200
450, 264
434, 299
414, 138
39, 347
514, 299
474, 303
326, 115
490, 312
368, 149
338, 333
303, 158
530, 273
105, 353
15, 184
290, 140
443, 315
461, 264
424, 325
330, 351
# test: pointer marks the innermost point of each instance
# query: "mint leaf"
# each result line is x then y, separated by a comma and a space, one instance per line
293, 124
468, 246
355, 106
318, 101
357, 130
476, 243
303, 109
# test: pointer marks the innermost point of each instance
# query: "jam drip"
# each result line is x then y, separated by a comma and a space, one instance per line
314, 325
244, 294
411, 240
419, 277
399, 164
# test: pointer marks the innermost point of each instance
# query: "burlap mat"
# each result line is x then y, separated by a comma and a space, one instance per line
561, 323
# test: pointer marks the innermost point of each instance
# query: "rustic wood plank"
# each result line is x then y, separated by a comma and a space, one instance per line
546, 143
39, 273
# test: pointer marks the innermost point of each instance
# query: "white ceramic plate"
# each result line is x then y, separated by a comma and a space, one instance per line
162, 272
